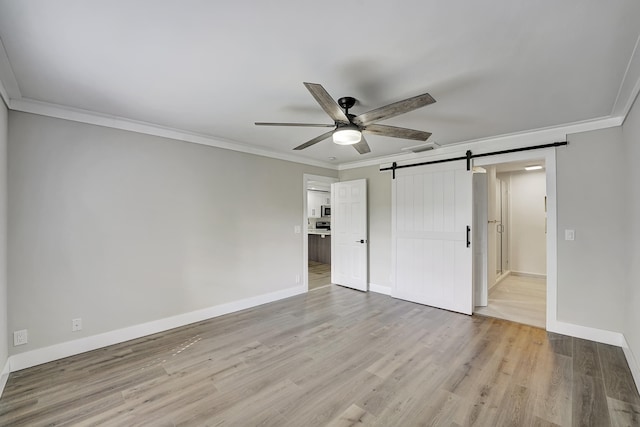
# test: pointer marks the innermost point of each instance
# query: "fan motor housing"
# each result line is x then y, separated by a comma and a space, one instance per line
346, 102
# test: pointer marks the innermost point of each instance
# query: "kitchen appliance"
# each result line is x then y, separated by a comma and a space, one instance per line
323, 225
325, 210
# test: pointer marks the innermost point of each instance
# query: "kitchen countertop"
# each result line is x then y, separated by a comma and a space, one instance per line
319, 231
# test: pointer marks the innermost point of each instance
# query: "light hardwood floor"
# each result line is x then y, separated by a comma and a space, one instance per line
519, 299
333, 357
319, 275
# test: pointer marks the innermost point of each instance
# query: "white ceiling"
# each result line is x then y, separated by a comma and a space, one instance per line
214, 68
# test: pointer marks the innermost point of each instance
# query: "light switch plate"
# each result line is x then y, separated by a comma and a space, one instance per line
569, 235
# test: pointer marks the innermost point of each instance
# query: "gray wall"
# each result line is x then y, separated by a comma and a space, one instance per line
379, 205
4, 329
121, 228
591, 198
590, 182
631, 140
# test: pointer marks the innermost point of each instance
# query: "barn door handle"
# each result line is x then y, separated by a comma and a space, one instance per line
468, 236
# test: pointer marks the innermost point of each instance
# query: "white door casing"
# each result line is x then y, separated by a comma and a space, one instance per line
349, 240
432, 253
480, 229
548, 155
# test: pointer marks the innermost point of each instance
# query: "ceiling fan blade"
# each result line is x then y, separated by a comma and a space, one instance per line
396, 132
314, 141
316, 125
362, 147
394, 109
328, 104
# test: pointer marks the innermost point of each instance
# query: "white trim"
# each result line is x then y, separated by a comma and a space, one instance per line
587, 333
385, 290
552, 238
90, 117
70, 348
500, 278
8, 84
632, 99
3, 94
634, 366
634, 62
494, 143
549, 156
512, 140
525, 274
4, 376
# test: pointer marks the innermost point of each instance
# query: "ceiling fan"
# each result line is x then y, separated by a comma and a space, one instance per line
349, 128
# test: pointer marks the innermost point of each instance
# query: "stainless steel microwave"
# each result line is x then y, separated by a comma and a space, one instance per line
325, 210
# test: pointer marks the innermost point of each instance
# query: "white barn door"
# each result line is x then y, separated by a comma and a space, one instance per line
431, 219
349, 241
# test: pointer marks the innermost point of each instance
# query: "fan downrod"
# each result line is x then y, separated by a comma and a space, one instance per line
346, 103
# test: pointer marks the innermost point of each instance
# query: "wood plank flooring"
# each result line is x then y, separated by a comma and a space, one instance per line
519, 299
333, 357
319, 275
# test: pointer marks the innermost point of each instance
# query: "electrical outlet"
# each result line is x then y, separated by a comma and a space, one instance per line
76, 324
20, 337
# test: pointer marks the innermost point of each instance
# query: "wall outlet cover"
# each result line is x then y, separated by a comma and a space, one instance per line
76, 325
20, 337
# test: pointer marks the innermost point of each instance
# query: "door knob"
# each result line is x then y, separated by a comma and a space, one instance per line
361, 241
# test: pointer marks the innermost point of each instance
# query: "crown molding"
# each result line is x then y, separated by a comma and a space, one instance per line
500, 142
8, 84
512, 140
630, 85
3, 94
89, 117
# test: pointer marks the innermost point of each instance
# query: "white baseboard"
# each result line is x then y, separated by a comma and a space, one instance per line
386, 290
500, 278
634, 366
4, 376
70, 348
525, 274
587, 333
602, 336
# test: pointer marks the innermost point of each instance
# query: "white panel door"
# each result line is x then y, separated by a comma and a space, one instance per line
431, 219
349, 264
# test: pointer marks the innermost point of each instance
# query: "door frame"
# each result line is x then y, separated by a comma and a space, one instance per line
305, 229
480, 237
549, 156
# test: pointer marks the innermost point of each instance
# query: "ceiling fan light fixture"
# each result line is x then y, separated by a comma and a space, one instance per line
347, 135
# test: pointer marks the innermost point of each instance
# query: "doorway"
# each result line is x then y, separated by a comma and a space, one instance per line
501, 220
317, 231
516, 224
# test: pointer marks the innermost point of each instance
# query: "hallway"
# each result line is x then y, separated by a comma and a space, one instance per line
520, 299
